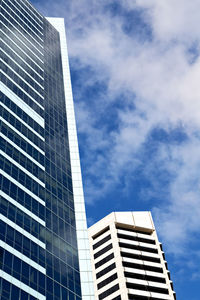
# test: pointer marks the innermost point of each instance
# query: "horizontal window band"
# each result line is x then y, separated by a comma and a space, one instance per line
18, 27
12, 86
28, 77
19, 195
106, 281
104, 250
31, 9
21, 54
24, 123
144, 276
31, 79
23, 244
20, 113
22, 160
117, 298
16, 47
23, 188
22, 21
136, 238
25, 210
22, 168
25, 15
19, 102
22, 151
21, 143
22, 271
24, 77
20, 81
22, 257
134, 230
105, 270
104, 260
101, 242
22, 178
23, 136
142, 266
109, 292
19, 43
147, 288
138, 247
140, 256
100, 233
20, 127
22, 286
29, 13
24, 221
22, 231
23, 65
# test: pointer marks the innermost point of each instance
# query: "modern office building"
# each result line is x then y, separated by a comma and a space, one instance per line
128, 260
44, 248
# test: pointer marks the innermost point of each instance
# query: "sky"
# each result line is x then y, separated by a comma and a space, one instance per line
135, 70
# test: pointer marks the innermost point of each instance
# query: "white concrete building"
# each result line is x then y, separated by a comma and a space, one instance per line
128, 260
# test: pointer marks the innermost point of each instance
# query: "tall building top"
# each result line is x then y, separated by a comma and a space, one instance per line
136, 219
44, 247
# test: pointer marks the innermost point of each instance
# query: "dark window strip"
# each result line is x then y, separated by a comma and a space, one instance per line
23, 198
29, 134
23, 220
17, 54
25, 15
140, 248
20, 44
22, 244
142, 257
109, 292
21, 114
31, 10
138, 297
101, 242
22, 74
24, 179
106, 270
147, 288
117, 298
26, 89
104, 250
23, 29
144, 277
135, 238
100, 233
142, 267
104, 260
22, 95
20, 142
22, 159
133, 230
11, 291
21, 270
106, 281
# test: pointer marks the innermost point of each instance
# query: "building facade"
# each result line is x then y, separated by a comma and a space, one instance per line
127, 259
42, 203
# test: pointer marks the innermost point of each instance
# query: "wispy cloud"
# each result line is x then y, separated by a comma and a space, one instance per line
138, 103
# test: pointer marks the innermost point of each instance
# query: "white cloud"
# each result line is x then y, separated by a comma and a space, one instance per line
165, 90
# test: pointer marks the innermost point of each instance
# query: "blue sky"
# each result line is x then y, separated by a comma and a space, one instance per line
135, 71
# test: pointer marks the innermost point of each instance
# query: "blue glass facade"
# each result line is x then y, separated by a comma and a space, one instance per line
38, 245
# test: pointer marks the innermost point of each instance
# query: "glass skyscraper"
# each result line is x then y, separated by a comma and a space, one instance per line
44, 250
